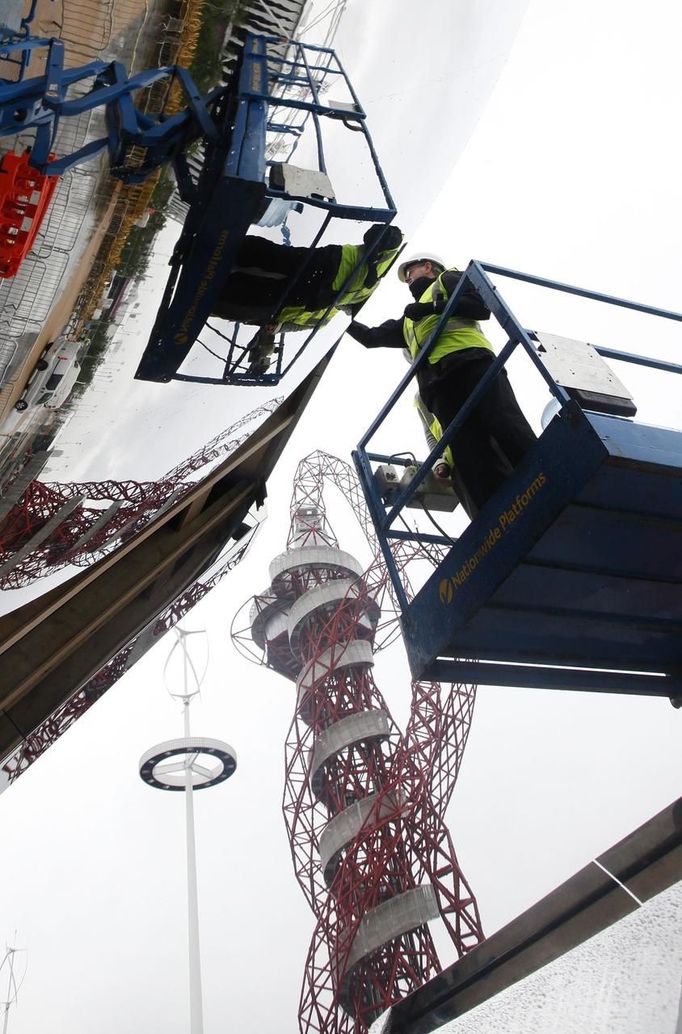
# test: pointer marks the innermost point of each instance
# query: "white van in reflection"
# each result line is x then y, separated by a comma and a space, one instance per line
54, 376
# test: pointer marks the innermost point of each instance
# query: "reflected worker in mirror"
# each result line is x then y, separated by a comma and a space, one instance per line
266, 273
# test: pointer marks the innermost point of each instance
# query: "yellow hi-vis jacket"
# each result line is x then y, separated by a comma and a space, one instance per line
457, 334
356, 292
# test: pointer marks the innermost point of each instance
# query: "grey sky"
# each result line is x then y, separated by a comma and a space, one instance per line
572, 172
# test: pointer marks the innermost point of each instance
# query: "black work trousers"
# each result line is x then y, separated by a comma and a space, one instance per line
493, 439
263, 277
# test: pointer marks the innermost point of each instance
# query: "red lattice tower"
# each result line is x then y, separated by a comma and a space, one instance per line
364, 803
82, 533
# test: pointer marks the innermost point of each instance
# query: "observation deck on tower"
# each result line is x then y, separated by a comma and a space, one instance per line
569, 576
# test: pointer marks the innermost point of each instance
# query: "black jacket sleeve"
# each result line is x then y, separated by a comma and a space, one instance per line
470, 306
386, 335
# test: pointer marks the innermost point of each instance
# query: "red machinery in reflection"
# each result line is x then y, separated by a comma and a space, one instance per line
25, 196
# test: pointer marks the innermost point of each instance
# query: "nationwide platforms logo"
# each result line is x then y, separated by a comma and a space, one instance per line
182, 336
447, 587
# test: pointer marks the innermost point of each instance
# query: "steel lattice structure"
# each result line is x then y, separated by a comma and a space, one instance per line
52, 524
364, 804
49, 731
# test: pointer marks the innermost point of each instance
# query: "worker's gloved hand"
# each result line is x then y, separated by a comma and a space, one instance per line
358, 331
391, 236
418, 310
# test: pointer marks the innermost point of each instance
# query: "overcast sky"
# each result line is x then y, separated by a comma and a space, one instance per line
572, 172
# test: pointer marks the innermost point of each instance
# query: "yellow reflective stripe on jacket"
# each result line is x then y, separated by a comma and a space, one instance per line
301, 317
437, 432
432, 429
457, 334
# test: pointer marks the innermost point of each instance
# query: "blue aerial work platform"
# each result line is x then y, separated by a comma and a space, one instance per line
234, 190
218, 147
570, 577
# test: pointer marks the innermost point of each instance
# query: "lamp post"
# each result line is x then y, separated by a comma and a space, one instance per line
187, 764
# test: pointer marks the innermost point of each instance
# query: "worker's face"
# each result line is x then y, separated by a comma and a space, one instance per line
418, 270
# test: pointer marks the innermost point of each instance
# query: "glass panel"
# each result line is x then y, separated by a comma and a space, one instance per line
626, 980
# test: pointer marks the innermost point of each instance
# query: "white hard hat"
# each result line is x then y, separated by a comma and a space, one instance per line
421, 257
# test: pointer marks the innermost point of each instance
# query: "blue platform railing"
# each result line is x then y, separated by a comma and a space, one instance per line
476, 276
279, 96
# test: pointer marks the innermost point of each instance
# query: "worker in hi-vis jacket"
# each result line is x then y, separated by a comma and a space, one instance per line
495, 437
290, 288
